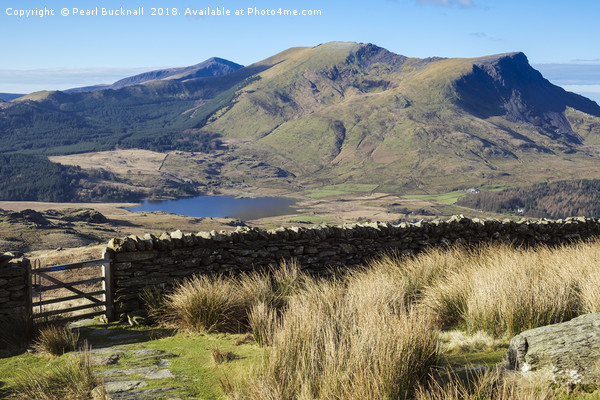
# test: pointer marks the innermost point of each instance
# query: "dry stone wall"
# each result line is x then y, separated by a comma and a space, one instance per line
13, 288
141, 262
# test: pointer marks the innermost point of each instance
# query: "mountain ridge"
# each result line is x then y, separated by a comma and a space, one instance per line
344, 112
9, 96
213, 66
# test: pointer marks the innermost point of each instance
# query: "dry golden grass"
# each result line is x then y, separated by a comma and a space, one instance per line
231, 304
263, 322
457, 341
374, 332
55, 340
346, 339
206, 304
73, 379
503, 291
484, 385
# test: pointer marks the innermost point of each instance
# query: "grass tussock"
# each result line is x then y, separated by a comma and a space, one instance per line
457, 341
233, 304
72, 379
503, 291
331, 344
56, 340
206, 303
374, 332
220, 357
153, 298
493, 385
263, 322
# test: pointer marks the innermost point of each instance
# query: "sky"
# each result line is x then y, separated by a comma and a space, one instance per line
54, 52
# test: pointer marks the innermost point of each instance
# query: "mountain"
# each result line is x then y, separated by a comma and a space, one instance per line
344, 112
92, 88
212, 67
335, 113
9, 96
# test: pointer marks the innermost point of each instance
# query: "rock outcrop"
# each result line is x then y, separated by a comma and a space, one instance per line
566, 354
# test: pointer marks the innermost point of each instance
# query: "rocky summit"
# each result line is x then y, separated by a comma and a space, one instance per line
335, 113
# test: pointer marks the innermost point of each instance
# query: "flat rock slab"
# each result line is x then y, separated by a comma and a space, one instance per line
159, 374
155, 393
103, 350
127, 336
129, 371
112, 335
145, 352
566, 354
82, 323
164, 363
107, 359
123, 386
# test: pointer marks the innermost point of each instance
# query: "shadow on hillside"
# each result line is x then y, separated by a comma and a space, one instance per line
121, 222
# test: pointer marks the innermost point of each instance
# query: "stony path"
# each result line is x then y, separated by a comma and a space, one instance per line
130, 373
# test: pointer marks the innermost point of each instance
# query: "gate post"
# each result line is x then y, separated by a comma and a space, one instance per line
108, 285
28, 289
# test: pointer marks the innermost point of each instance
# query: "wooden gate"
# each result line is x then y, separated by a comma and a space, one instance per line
46, 280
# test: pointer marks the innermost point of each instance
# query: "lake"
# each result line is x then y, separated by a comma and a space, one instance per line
221, 207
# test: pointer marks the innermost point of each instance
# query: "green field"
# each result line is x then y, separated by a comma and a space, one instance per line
444, 198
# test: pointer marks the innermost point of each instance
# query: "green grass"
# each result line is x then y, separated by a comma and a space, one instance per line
197, 374
494, 188
16, 367
194, 361
443, 198
340, 190
10, 366
485, 358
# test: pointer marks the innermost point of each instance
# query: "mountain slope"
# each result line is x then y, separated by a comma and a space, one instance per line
347, 111
152, 115
9, 96
339, 112
214, 66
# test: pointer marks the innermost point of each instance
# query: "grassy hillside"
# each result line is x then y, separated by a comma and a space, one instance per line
151, 116
338, 113
344, 112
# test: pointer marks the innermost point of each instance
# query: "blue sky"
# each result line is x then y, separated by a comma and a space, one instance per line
54, 52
